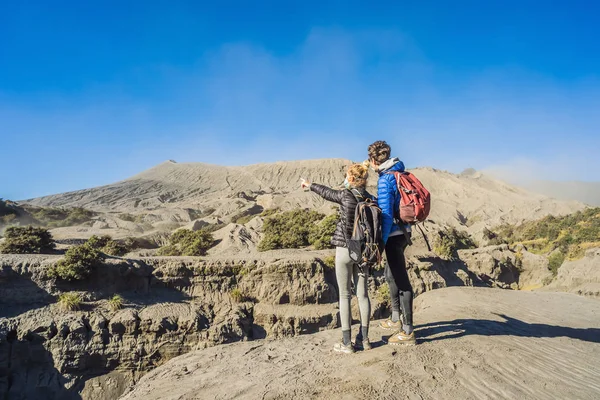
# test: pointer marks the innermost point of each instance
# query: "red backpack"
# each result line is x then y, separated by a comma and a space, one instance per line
415, 201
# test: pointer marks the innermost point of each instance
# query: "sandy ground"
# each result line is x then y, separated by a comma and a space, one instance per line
474, 343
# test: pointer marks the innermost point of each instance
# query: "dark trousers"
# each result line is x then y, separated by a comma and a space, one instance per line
401, 291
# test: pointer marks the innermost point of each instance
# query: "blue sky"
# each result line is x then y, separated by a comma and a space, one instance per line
95, 92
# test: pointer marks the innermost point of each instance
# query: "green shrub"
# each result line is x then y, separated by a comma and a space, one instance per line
519, 260
443, 248
383, 294
58, 217
27, 240
329, 261
169, 251
114, 248
115, 303
577, 251
269, 212
242, 270
8, 219
237, 295
98, 242
288, 230
133, 243
243, 219
493, 239
9, 212
108, 246
77, 263
570, 233
76, 216
188, 243
555, 260
70, 301
131, 218
320, 235
451, 240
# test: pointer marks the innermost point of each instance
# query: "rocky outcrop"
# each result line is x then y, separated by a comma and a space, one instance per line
487, 267
290, 282
235, 239
492, 266
495, 266
277, 321
534, 271
83, 345
580, 276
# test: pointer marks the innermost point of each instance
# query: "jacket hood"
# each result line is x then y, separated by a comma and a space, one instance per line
393, 164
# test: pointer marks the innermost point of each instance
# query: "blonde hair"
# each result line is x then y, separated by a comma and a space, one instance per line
359, 174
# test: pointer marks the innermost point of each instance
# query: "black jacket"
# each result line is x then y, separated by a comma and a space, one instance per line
347, 201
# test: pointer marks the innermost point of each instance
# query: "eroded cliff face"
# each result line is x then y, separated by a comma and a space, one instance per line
581, 276
173, 306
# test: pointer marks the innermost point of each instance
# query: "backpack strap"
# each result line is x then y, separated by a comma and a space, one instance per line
424, 237
405, 232
358, 198
408, 239
357, 194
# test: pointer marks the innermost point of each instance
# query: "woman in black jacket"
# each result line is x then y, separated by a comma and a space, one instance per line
346, 270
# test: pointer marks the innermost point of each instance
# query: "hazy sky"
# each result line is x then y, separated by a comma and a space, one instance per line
94, 92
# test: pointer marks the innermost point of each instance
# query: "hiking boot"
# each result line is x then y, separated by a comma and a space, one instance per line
389, 325
343, 348
361, 344
402, 338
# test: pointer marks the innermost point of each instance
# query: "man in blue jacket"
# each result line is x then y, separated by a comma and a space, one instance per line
395, 238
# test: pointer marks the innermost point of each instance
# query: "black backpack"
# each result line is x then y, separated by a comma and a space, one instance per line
366, 244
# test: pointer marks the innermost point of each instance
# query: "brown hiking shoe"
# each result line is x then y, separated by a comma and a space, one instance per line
389, 325
402, 338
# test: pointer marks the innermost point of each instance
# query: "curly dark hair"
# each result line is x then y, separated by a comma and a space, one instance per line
380, 151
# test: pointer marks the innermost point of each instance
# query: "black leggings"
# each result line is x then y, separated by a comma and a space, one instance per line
401, 291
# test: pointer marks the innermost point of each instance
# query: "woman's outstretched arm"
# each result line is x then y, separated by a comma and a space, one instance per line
327, 193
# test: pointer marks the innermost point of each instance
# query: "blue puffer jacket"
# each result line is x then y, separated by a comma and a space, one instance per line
388, 196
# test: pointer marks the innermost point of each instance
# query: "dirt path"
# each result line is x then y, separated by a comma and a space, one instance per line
474, 344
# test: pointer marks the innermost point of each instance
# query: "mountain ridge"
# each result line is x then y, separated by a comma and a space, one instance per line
473, 200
